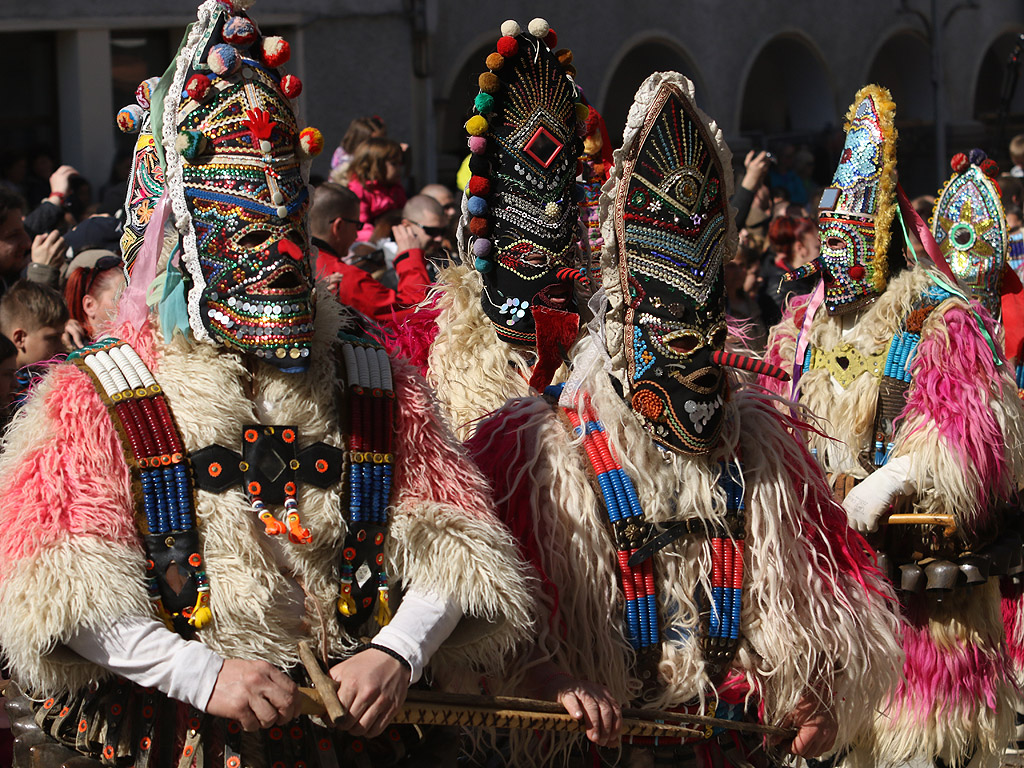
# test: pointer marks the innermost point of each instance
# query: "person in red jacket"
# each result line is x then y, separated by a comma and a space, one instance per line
334, 224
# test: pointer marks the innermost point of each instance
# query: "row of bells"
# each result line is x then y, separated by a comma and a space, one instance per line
1004, 557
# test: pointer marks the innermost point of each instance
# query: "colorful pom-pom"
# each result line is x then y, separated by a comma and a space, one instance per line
977, 156
476, 125
511, 28
477, 145
240, 31
564, 56
539, 28
311, 141
483, 265
479, 186
276, 51
197, 87
144, 93
224, 59
481, 247
551, 39
129, 119
479, 226
570, 70
959, 162
507, 47
489, 82
190, 144
484, 103
582, 112
477, 206
479, 165
494, 61
990, 168
291, 86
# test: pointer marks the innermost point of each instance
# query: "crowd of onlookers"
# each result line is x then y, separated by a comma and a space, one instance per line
379, 247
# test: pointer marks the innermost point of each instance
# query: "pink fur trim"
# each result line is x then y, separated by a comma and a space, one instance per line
955, 377
784, 335
432, 466
412, 337
63, 487
1011, 607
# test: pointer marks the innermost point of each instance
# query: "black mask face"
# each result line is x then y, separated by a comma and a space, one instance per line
672, 223
522, 192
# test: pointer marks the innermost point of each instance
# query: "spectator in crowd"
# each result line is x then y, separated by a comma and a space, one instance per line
783, 175
333, 225
41, 166
755, 170
32, 316
1015, 225
427, 219
8, 368
95, 279
1017, 156
445, 197
794, 242
53, 212
745, 300
359, 130
42, 255
1012, 189
375, 176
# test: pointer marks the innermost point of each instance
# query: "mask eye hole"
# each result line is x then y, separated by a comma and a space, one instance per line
536, 259
684, 343
254, 239
835, 243
717, 337
962, 236
296, 237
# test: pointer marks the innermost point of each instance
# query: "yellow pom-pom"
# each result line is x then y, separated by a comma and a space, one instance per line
311, 141
476, 125
582, 112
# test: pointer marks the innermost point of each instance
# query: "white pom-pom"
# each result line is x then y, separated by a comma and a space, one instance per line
539, 28
242, 5
510, 28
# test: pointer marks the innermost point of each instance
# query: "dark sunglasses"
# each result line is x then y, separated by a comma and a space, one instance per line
431, 231
102, 265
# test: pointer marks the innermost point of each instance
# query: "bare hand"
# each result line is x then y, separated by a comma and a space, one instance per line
60, 179
371, 687
255, 694
585, 701
757, 168
75, 336
49, 249
816, 728
332, 281
409, 236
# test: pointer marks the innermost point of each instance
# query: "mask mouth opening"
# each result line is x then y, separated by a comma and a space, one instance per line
558, 296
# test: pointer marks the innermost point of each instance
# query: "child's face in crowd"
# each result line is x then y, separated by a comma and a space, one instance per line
7, 369
1013, 221
40, 344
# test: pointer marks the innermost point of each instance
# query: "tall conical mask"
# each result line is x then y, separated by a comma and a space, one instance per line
520, 222
663, 266
856, 211
969, 225
235, 163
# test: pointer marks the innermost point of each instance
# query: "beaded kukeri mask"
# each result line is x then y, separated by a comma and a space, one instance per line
969, 225
235, 163
520, 208
856, 212
673, 228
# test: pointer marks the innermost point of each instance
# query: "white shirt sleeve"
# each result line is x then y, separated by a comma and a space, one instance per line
422, 622
146, 652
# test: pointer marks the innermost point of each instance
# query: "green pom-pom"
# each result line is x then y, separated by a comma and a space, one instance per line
484, 103
190, 144
483, 265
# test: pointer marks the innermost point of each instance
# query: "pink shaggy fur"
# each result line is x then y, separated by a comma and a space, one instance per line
424, 444
955, 377
411, 338
1011, 600
937, 679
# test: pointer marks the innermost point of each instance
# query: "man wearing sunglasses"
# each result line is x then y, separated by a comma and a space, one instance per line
334, 224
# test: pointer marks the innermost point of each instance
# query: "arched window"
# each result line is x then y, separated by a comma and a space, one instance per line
787, 90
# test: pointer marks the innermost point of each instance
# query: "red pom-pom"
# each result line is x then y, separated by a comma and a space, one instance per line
551, 40
291, 86
508, 46
197, 87
480, 186
276, 51
990, 168
959, 162
480, 227
856, 271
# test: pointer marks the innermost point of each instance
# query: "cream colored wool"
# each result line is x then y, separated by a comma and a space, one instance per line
83, 582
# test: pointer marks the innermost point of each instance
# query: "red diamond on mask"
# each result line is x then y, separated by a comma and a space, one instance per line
543, 147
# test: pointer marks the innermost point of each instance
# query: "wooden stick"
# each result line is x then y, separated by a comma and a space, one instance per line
327, 688
912, 518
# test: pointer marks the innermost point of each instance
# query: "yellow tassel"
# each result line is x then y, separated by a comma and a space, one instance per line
382, 613
346, 605
201, 613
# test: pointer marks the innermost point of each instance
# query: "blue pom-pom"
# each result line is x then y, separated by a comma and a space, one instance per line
483, 265
977, 156
224, 59
477, 206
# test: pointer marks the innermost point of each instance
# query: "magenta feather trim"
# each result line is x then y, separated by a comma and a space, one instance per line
955, 378
1011, 607
412, 337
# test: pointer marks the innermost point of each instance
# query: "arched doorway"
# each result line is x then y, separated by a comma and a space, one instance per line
788, 91
643, 59
989, 85
452, 112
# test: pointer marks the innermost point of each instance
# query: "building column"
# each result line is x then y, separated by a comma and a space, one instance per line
87, 119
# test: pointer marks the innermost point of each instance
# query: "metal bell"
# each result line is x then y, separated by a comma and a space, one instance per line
885, 565
911, 577
941, 575
975, 568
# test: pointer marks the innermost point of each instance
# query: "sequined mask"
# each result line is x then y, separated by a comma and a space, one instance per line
524, 215
969, 225
672, 225
246, 252
856, 211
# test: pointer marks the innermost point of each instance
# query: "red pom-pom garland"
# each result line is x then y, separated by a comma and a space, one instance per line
508, 46
959, 162
479, 226
291, 86
480, 186
197, 87
551, 40
990, 168
276, 51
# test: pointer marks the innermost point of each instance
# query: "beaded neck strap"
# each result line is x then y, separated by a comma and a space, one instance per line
161, 479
